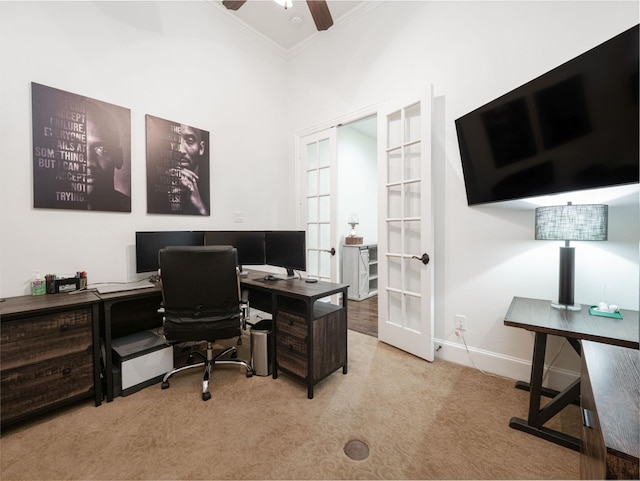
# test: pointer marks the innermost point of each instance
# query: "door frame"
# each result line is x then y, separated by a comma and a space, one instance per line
320, 127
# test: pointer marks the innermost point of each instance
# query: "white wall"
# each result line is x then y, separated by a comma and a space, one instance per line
473, 52
174, 60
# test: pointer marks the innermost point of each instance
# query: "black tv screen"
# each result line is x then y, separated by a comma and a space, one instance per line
573, 128
249, 244
286, 249
149, 243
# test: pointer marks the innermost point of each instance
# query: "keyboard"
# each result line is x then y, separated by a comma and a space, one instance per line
125, 286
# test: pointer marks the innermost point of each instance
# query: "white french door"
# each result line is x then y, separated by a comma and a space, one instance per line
405, 228
318, 154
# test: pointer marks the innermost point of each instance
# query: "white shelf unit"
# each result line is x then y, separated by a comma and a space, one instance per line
360, 270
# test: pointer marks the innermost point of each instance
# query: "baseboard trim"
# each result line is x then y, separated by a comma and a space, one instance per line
501, 365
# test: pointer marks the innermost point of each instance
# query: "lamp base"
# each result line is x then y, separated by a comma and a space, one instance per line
564, 307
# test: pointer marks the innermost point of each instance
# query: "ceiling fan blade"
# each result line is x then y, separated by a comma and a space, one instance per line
233, 5
320, 13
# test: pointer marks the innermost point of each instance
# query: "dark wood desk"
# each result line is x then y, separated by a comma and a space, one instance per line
610, 405
539, 317
309, 337
123, 313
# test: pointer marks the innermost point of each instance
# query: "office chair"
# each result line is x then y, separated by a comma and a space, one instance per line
201, 302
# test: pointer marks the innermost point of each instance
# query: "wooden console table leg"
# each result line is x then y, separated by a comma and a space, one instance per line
537, 417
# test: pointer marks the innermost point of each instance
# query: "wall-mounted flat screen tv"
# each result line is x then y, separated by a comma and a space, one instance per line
573, 128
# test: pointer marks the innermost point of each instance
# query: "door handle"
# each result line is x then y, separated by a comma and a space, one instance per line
331, 251
425, 258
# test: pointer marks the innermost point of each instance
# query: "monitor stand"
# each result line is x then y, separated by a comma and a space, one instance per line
290, 274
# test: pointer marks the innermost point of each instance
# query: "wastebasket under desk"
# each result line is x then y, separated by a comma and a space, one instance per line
261, 356
143, 359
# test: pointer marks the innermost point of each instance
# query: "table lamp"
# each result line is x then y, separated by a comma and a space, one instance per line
570, 222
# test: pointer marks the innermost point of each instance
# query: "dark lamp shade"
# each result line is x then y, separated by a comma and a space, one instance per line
587, 222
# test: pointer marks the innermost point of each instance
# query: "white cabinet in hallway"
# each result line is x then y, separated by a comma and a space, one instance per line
360, 270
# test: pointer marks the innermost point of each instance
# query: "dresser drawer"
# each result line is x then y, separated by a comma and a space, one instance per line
32, 387
291, 324
28, 341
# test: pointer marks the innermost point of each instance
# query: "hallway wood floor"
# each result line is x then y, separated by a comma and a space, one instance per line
362, 316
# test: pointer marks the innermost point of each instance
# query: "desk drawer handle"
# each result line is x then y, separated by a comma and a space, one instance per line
66, 371
64, 327
290, 322
587, 420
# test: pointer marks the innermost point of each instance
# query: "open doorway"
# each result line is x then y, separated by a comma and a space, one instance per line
357, 201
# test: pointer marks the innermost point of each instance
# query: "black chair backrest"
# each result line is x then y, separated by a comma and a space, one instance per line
199, 281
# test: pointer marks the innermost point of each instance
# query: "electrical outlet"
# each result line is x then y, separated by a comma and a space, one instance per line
460, 324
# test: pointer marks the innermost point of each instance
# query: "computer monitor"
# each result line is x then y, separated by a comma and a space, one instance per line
249, 244
286, 249
149, 243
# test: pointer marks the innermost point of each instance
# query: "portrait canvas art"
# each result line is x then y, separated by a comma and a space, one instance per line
81, 152
177, 168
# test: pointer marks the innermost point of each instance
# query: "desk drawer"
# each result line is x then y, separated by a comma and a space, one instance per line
40, 338
291, 361
35, 386
291, 324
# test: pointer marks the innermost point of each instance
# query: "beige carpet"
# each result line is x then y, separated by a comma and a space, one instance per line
420, 421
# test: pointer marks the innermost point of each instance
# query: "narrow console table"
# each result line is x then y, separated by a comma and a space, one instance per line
49, 353
539, 317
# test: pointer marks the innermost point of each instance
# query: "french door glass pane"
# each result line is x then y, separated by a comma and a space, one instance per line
325, 209
312, 265
312, 156
394, 201
325, 264
324, 182
395, 308
412, 312
412, 238
413, 273
395, 272
325, 236
394, 238
412, 199
394, 166
323, 153
312, 183
312, 236
412, 160
312, 209
412, 123
394, 130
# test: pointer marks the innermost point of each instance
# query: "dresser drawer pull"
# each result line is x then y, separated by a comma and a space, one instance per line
64, 327
66, 371
587, 420
290, 322
291, 347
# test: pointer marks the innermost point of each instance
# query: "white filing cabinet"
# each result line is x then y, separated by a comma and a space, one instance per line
360, 270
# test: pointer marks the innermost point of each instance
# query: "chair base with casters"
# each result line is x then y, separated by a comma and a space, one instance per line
207, 362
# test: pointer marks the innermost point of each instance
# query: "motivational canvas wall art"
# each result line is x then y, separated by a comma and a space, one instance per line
177, 168
81, 152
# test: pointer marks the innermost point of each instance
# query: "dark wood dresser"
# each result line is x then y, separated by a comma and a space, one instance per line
610, 405
48, 353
